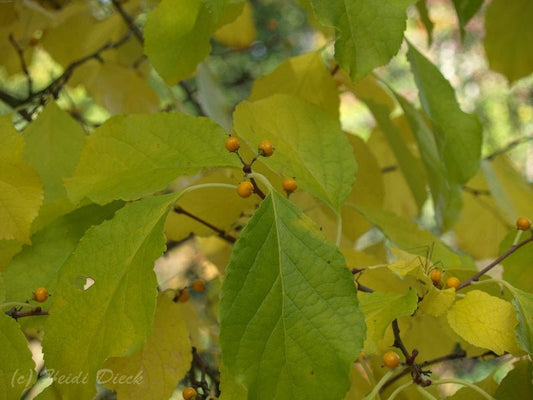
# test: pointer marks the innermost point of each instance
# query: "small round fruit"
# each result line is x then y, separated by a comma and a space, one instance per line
198, 285
391, 359
523, 223
289, 185
453, 282
436, 276
41, 294
245, 189
189, 393
232, 144
265, 148
184, 296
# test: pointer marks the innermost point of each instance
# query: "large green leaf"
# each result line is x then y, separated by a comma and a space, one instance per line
21, 188
53, 146
458, 135
369, 32
17, 372
304, 76
380, 310
309, 142
517, 266
290, 324
154, 371
113, 317
517, 384
38, 265
177, 34
523, 302
509, 36
135, 155
408, 236
446, 193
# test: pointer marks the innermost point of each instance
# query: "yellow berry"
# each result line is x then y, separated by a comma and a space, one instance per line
453, 282
189, 393
41, 294
265, 148
245, 189
289, 185
184, 296
436, 276
391, 359
523, 223
198, 285
232, 144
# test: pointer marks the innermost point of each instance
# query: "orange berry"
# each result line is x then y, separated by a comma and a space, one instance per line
41, 294
232, 144
189, 393
453, 282
184, 296
198, 285
523, 223
265, 148
289, 185
245, 189
436, 276
391, 359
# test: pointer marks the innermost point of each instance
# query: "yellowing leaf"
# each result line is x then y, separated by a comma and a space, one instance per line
403, 267
21, 188
509, 37
436, 302
165, 358
485, 321
304, 76
241, 32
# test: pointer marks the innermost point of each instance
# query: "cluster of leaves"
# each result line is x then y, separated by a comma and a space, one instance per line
87, 210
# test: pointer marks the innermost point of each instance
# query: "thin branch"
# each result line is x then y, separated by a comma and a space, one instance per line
220, 232
476, 192
15, 313
389, 168
190, 96
129, 21
511, 145
510, 251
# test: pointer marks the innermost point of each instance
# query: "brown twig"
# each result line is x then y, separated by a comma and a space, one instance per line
220, 232
129, 21
16, 313
476, 192
23, 64
509, 146
510, 251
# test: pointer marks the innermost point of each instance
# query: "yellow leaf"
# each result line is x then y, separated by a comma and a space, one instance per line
154, 372
21, 188
485, 321
241, 32
437, 302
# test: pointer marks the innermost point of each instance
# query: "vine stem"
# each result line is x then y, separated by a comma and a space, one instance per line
510, 251
375, 390
339, 229
465, 383
399, 389
262, 178
425, 393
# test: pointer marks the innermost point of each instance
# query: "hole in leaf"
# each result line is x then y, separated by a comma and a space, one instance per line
84, 282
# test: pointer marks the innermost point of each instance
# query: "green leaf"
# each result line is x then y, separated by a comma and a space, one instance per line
290, 323
305, 77
369, 32
380, 310
408, 236
177, 34
113, 317
458, 135
523, 302
135, 155
165, 358
508, 38
38, 265
517, 384
485, 321
510, 190
212, 96
446, 193
517, 266
465, 10
240, 33
426, 20
21, 188
309, 142
53, 146
18, 369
